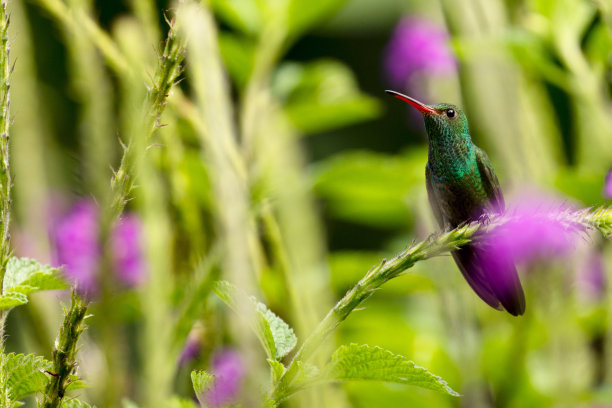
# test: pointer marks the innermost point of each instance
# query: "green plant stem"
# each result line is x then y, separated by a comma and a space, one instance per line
64, 355
166, 75
436, 244
5, 169
234, 224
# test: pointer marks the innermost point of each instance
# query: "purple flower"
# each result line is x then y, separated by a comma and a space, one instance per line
534, 229
76, 246
607, 191
591, 277
193, 346
127, 252
417, 46
228, 369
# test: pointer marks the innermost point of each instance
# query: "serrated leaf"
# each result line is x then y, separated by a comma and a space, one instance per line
26, 374
75, 383
364, 362
265, 335
12, 299
225, 291
283, 336
201, 381
75, 403
276, 336
278, 369
306, 375
24, 275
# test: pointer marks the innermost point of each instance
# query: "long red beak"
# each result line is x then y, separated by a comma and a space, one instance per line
420, 106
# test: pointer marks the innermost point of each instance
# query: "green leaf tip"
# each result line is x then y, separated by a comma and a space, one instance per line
201, 381
283, 335
274, 333
364, 362
75, 403
25, 276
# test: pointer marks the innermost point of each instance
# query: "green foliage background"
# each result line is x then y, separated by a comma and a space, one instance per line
298, 175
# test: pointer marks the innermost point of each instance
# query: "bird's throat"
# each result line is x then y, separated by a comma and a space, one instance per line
451, 160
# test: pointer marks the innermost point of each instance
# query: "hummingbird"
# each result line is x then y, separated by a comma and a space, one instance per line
462, 186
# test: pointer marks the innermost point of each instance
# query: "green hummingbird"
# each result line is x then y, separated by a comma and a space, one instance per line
462, 186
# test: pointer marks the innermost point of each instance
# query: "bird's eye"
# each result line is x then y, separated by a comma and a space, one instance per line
450, 113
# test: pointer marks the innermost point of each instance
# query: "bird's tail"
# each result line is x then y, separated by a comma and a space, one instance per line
496, 281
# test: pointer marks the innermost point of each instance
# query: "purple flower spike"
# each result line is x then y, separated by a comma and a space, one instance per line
534, 229
418, 46
76, 246
127, 251
607, 191
228, 369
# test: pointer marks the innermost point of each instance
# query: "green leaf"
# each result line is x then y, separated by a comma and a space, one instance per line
364, 362
26, 374
322, 95
306, 375
177, 402
283, 336
74, 403
201, 381
303, 14
24, 275
128, 403
275, 335
238, 55
278, 369
12, 299
372, 188
243, 15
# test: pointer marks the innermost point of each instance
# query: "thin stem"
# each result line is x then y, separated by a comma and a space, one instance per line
166, 75
436, 244
5, 169
64, 355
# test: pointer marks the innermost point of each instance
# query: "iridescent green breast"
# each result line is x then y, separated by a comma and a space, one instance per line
458, 189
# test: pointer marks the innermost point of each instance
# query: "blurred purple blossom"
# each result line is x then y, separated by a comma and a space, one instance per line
229, 371
535, 228
417, 46
76, 239
607, 191
76, 245
192, 348
590, 276
127, 251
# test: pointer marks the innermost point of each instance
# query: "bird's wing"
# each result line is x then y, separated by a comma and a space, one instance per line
433, 200
489, 181
502, 276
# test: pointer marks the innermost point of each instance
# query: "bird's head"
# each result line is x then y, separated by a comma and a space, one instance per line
442, 118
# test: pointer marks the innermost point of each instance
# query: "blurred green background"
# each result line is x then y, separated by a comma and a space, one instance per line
336, 168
